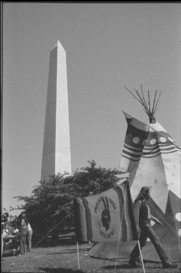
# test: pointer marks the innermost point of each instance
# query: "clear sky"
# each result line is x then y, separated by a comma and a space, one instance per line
108, 46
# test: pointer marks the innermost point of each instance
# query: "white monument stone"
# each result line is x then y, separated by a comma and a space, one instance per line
56, 147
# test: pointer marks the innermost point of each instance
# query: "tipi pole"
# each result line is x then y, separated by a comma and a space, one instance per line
141, 256
78, 256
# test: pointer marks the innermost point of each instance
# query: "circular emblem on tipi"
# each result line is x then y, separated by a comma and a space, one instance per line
136, 140
178, 216
106, 218
152, 141
163, 139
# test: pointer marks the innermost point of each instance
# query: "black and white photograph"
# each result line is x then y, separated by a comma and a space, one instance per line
91, 137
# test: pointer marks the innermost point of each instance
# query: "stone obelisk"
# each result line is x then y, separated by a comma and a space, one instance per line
56, 147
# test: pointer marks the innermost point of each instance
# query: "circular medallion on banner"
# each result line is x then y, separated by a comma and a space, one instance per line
106, 217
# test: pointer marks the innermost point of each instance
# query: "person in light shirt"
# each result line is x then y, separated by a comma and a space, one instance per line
143, 218
29, 237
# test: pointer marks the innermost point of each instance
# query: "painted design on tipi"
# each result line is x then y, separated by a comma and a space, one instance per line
153, 159
156, 166
146, 141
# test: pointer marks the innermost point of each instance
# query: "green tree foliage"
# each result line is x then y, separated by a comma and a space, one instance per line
51, 202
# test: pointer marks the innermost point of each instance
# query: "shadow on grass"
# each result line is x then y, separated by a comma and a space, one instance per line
123, 266
7, 255
61, 270
126, 266
68, 251
61, 252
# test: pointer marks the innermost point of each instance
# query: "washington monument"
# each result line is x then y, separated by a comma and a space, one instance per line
56, 156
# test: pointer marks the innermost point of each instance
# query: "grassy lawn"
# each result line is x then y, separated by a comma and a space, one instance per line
63, 259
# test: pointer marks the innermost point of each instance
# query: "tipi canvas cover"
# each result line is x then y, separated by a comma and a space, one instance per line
153, 159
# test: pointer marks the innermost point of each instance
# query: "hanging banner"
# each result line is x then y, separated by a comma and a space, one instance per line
106, 217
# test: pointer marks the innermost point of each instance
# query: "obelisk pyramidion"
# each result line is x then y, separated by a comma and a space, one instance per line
56, 147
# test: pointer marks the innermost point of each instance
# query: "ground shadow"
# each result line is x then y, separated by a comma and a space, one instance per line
126, 266
123, 266
69, 251
8, 255
61, 252
61, 270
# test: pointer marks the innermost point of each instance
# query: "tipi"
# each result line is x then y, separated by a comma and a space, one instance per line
153, 159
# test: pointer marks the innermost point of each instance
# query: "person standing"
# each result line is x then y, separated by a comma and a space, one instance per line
4, 219
23, 232
143, 219
15, 235
29, 237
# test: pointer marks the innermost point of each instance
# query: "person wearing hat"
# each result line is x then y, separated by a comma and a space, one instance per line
143, 218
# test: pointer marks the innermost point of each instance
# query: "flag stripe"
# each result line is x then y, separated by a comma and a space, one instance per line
79, 230
88, 218
133, 232
146, 155
127, 220
122, 219
126, 146
133, 154
128, 224
130, 157
154, 139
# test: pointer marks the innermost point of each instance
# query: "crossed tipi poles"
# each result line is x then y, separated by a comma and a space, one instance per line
148, 108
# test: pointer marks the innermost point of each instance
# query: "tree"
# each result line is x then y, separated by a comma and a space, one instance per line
50, 206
